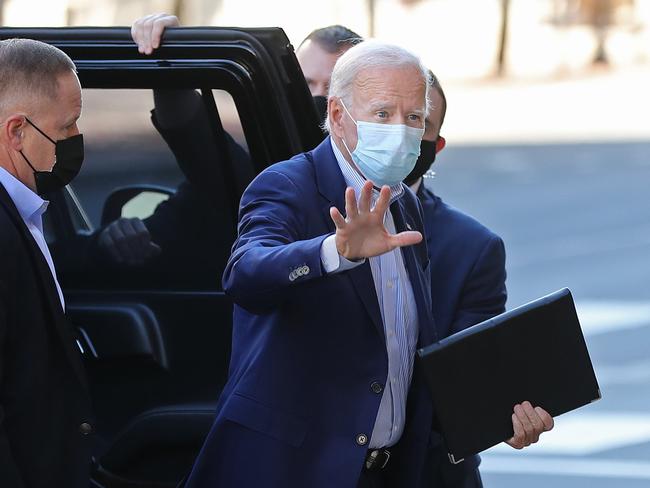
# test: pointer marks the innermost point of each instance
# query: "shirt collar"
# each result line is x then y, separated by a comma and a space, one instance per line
356, 181
29, 205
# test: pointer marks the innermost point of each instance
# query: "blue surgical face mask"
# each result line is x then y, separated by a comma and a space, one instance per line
385, 153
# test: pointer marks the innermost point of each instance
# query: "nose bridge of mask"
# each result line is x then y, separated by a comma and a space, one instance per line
397, 137
385, 128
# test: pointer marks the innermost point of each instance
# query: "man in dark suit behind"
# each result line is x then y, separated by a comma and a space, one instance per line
44, 403
468, 276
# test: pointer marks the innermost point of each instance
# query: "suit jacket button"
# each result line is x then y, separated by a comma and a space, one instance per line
376, 387
362, 439
86, 428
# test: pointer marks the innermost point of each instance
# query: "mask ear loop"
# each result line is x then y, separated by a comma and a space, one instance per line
40, 131
355, 123
348, 112
27, 161
44, 135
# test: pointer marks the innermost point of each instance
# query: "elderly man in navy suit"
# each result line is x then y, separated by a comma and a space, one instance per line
329, 309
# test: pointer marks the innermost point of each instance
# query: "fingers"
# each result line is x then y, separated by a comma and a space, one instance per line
159, 26
529, 427
138, 33
362, 233
383, 201
337, 218
106, 243
351, 210
548, 421
366, 197
135, 34
146, 34
120, 242
147, 31
141, 233
518, 440
534, 420
528, 424
146, 248
128, 242
406, 238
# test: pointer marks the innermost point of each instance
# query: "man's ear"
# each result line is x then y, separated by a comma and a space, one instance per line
335, 113
12, 131
441, 142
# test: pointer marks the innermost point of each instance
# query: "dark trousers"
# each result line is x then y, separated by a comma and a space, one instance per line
371, 479
470, 479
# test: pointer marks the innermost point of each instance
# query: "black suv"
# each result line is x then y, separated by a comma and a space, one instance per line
156, 336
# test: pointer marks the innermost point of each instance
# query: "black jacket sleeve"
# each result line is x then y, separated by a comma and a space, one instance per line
192, 139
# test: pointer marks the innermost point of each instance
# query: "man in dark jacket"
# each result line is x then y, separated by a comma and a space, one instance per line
467, 274
44, 404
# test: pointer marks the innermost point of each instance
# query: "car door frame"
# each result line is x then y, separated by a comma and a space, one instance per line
278, 118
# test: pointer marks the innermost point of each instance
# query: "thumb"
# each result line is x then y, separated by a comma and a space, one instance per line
406, 238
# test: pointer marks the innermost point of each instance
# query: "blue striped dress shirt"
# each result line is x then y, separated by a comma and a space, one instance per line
399, 314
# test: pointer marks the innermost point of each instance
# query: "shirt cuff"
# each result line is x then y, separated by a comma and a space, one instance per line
332, 261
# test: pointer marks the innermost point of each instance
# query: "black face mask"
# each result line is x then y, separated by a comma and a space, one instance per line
69, 155
425, 160
321, 107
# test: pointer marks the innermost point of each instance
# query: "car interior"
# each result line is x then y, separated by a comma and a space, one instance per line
155, 336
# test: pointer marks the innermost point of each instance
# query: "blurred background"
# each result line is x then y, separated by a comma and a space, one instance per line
548, 139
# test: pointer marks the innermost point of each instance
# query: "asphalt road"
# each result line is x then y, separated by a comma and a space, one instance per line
574, 215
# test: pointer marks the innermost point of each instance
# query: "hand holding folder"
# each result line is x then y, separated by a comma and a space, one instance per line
534, 353
528, 423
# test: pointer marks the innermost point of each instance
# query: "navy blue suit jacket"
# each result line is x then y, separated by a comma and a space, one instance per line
468, 277
308, 346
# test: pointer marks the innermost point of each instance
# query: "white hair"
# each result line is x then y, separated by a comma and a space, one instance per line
366, 55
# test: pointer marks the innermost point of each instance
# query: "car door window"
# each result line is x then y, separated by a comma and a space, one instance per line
160, 196
122, 148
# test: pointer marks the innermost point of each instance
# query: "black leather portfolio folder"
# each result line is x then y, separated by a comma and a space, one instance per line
535, 352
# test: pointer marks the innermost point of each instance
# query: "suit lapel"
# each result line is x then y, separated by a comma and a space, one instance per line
429, 202
47, 285
331, 186
419, 281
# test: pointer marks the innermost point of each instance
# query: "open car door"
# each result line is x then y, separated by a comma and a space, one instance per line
156, 332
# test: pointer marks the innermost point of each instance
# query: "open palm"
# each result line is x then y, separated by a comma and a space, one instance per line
363, 233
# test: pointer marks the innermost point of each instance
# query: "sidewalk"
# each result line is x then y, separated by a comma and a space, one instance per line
599, 106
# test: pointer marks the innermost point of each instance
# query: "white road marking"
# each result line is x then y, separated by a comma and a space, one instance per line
590, 468
635, 373
600, 317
